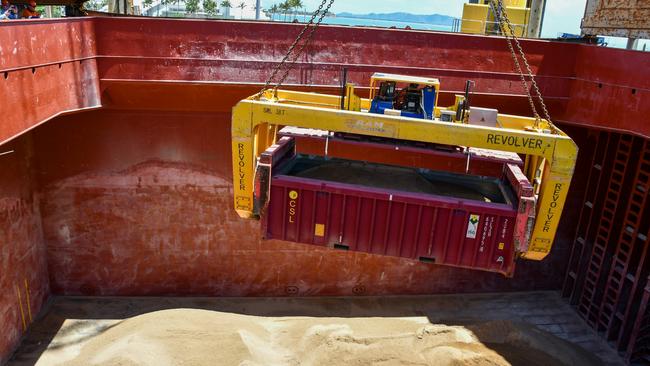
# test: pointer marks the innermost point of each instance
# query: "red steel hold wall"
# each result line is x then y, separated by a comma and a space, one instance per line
141, 203
24, 284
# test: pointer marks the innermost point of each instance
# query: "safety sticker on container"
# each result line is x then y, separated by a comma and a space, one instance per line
319, 230
472, 226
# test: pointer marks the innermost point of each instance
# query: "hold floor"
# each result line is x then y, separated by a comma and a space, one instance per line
516, 328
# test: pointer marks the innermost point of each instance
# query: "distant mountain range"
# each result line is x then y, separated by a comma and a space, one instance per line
403, 17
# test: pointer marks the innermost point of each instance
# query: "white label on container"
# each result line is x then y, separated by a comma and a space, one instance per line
472, 226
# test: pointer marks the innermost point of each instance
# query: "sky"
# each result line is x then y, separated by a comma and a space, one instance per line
562, 16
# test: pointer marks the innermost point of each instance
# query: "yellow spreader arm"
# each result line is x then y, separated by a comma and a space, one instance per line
255, 122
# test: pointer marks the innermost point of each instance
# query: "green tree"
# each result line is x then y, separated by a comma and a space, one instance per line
210, 7
226, 4
192, 6
300, 5
95, 4
241, 7
294, 6
166, 3
285, 7
58, 11
273, 10
146, 4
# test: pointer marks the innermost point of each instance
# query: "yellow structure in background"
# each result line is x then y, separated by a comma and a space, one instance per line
478, 18
474, 19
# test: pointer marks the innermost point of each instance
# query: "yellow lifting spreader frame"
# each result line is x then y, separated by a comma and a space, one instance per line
256, 120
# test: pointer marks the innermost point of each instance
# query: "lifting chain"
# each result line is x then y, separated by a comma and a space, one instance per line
504, 24
508, 32
283, 65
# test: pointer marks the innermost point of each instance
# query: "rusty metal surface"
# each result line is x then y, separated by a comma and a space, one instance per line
140, 203
38, 42
23, 264
617, 18
583, 84
221, 51
47, 68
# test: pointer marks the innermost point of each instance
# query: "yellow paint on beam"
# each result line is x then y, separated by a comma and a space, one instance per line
27, 298
20, 304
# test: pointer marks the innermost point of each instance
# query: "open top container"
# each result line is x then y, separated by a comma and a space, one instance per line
439, 217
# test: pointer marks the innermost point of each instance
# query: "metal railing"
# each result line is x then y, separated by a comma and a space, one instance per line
487, 27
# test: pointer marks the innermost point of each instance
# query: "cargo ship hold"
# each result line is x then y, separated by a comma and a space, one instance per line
116, 173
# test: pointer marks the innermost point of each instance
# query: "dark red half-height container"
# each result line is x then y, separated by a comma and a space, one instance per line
387, 210
423, 227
